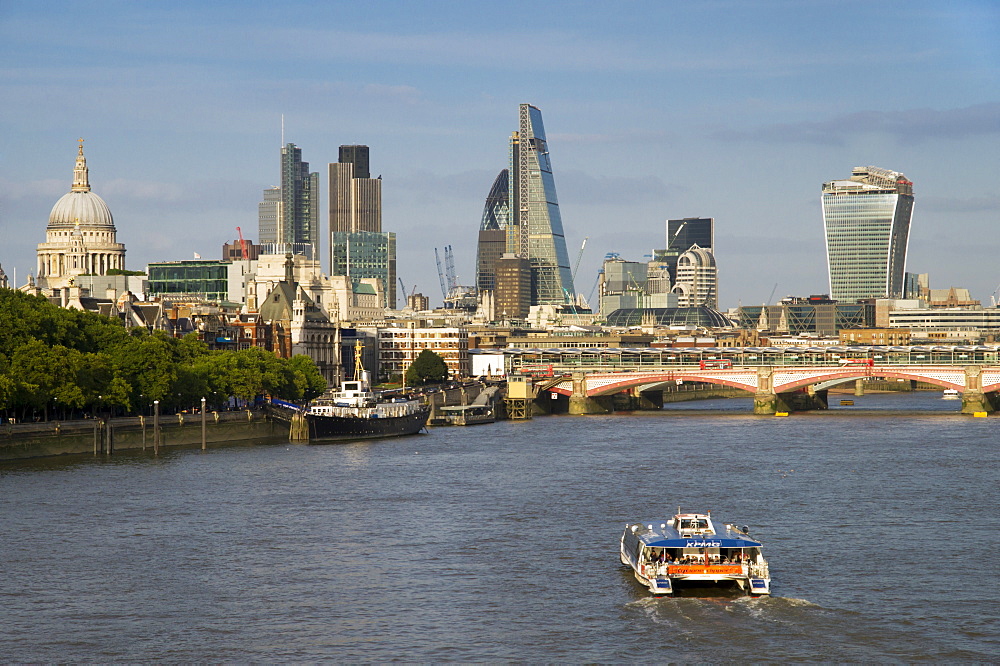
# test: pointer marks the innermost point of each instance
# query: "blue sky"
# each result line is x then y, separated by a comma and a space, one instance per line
737, 110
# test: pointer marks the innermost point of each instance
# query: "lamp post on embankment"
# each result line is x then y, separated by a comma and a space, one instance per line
156, 427
204, 427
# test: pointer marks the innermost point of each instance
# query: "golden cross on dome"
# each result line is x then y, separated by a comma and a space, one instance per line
81, 145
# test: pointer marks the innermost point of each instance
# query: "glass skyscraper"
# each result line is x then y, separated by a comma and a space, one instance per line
366, 254
493, 232
867, 223
535, 231
297, 228
682, 235
356, 211
268, 211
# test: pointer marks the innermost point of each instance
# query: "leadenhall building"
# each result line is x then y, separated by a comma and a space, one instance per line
80, 237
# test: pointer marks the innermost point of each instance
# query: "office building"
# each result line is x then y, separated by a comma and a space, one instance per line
633, 285
366, 254
355, 197
513, 287
240, 249
867, 223
493, 232
80, 238
399, 347
682, 234
267, 218
535, 231
297, 229
697, 282
198, 280
357, 157
418, 302
355, 215
288, 216
813, 315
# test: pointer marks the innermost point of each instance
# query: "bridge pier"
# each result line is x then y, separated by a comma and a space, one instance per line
650, 400
580, 403
973, 398
765, 403
859, 387
977, 401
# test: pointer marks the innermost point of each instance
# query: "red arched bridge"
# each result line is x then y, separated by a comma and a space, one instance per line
780, 379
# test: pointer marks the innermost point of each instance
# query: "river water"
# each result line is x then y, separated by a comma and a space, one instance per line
499, 542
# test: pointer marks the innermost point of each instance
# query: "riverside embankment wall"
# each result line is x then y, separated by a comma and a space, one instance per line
53, 438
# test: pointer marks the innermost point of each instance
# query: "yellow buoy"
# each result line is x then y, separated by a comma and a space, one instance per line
781, 413
979, 415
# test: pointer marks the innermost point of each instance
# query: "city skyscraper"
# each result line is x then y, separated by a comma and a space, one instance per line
355, 197
268, 211
366, 254
358, 247
493, 232
867, 223
697, 282
535, 231
682, 235
357, 157
298, 216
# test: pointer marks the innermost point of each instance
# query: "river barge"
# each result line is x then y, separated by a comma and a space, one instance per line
690, 550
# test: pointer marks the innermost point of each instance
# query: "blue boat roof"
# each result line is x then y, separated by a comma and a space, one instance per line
665, 534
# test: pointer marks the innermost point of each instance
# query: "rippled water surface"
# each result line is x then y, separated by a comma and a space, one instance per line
499, 542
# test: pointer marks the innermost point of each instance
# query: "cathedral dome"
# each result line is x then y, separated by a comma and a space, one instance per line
85, 208
80, 205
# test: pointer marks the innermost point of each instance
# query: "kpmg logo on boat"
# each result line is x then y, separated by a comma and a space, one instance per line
703, 544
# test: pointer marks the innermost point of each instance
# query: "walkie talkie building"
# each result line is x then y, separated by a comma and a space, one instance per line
867, 223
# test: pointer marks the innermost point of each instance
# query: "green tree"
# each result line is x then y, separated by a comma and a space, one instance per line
428, 367
42, 372
306, 376
190, 348
147, 362
252, 372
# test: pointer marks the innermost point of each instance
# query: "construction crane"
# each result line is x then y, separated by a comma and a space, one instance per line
597, 281
444, 289
676, 233
449, 267
579, 256
243, 244
402, 286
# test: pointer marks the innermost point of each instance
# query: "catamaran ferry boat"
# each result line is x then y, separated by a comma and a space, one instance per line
692, 548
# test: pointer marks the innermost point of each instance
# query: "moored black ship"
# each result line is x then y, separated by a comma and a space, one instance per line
354, 412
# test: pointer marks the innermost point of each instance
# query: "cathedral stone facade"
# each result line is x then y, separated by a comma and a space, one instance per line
80, 238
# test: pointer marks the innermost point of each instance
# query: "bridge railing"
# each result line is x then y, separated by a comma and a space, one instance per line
617, 360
